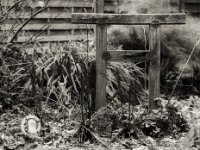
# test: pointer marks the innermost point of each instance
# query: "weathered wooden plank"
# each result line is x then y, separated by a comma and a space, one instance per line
51, 38
154, 67
60, 4
53, 15
52, 3
128, 19
53, 26
126, 55
48, 22
101, 46
72, 11
43, 15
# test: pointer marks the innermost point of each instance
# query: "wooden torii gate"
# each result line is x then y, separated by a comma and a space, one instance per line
103, 55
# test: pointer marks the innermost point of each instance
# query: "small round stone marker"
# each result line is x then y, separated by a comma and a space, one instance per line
31, 126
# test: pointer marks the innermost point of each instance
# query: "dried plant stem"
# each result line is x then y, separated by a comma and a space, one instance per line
97, 138
24, 24
181, 73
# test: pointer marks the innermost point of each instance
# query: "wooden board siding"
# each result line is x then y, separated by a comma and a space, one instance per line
55, 21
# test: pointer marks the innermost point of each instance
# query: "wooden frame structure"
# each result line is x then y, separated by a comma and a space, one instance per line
103, 55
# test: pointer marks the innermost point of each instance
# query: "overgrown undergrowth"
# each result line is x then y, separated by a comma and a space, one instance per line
180, 46
61, 75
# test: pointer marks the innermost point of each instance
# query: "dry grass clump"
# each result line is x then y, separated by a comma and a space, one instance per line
64, 74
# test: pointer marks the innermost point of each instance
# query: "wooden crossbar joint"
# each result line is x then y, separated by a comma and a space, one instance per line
155, 22
101, 21
126, 55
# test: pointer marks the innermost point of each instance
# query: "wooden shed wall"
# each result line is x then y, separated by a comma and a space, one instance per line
53, 24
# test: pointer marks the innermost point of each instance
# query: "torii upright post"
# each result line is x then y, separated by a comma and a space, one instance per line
153, 54
101, 46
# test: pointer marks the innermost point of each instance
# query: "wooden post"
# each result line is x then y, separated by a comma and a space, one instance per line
154, 68
182, 5
101, 46
48, 31
99, 6
72, 11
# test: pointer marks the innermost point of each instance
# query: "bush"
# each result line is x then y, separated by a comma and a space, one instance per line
168, 120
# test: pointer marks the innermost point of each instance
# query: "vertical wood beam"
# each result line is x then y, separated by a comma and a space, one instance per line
101, 46
182, 6
48, 22
72, 11
154, 68
99, 6
48, 31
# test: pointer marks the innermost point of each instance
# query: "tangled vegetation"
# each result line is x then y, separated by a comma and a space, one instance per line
179, 45
57, 84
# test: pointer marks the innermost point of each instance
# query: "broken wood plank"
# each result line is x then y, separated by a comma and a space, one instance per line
127, 19
126, 55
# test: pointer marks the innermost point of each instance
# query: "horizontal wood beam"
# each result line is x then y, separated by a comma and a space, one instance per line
128, 19
51, 3
55, 4
42, 15
41, 26
126, 55
50, 38
62, 4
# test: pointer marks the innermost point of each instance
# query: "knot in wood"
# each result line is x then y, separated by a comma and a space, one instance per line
155, 22
101, 21
106, 56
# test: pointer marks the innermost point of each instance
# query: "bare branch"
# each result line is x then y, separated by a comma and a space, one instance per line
24, 24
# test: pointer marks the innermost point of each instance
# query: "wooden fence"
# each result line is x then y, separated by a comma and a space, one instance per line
53, 24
